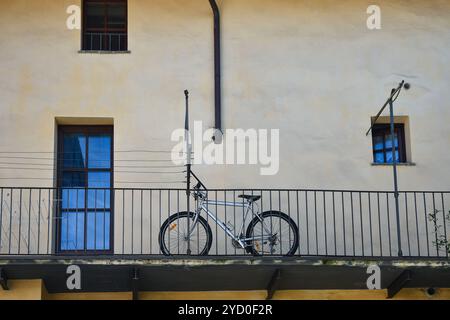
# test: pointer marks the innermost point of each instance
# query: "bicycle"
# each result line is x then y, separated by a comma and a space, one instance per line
264, 234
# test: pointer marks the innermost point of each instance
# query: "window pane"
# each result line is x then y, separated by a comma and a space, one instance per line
73, 198
389, 141
95, 15
117, 16
117, 41
378, 143
99, 179
72, 231
99, 152
74, 155
99, 198
389, 157
98, 227
93, 41
74, 180
379, 157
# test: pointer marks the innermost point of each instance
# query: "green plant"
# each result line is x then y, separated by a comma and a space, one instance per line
441, 241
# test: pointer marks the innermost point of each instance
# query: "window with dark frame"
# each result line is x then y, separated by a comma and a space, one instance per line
85, 180
382, 143
105, 25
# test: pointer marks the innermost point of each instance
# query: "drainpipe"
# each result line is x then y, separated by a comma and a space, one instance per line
217, 138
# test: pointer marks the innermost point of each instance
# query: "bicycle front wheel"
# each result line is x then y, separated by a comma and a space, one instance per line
174, 238
274, 233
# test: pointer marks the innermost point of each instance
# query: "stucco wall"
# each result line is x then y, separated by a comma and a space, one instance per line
310, 68
24, 290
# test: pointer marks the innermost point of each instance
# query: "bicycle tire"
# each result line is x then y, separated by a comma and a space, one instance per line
277, 214
172, 219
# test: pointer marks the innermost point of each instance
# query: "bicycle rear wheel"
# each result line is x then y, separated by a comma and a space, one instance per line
276, 234
173, 236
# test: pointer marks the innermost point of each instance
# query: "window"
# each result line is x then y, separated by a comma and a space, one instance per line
382, 144
85, 175
105, 25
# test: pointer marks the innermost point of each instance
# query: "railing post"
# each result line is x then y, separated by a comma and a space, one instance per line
56, 214
394, 167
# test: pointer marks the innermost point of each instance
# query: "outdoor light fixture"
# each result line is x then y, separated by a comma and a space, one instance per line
431, 291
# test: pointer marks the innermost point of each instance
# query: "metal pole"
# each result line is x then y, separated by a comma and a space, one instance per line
394, 167
393, 93
188, 172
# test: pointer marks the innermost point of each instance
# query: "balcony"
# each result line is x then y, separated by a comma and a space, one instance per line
331, 223
114, 234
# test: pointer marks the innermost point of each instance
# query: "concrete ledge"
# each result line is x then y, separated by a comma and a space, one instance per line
103, 52
402, 164
194, 275
221, 261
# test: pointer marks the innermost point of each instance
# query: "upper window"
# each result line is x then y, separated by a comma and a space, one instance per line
105, 25
382, 143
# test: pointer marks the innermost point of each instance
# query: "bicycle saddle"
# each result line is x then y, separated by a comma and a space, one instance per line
249, 197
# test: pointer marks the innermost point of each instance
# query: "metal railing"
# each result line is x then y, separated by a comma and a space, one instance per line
127, 222
101, 41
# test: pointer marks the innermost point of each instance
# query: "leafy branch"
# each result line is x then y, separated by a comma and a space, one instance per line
441, 241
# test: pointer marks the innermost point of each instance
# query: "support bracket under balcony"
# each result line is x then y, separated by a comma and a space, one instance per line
135, 283
273, 284
399, 283
3, 280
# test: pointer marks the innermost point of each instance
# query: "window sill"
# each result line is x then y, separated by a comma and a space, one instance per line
103, 52
403, 164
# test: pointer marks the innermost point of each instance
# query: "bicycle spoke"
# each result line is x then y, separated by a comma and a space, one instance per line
279, 241
176, 236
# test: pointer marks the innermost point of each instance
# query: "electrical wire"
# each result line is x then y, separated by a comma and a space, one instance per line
27, 164
116, 171
51, 165
100, 152
134, 164
78, 159
116, 182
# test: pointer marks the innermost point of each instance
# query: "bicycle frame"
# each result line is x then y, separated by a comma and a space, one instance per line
204, 205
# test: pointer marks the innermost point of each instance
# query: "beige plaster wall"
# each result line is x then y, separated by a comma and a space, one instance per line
310, 68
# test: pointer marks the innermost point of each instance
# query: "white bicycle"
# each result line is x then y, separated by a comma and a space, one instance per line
269, 233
